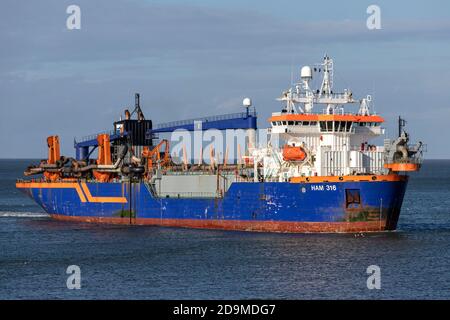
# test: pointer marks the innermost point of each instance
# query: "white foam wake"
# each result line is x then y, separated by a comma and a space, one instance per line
22, 214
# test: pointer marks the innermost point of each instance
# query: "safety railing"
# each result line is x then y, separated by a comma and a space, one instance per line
228, 116
94, 136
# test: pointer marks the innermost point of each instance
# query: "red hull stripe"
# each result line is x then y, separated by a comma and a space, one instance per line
243, 225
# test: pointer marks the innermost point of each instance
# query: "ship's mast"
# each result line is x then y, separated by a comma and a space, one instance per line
307, 97
327, 81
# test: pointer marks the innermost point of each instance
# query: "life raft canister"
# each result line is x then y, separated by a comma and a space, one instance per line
293, 153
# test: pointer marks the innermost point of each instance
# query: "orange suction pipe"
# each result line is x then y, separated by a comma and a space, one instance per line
104, 157
53, 156
53, 149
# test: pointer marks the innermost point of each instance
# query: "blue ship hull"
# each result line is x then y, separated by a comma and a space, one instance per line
347, 206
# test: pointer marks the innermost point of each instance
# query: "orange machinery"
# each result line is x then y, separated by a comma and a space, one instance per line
104, 157
53, 156
154, 156
402, 166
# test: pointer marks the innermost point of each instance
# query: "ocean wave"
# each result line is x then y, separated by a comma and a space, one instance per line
22, 214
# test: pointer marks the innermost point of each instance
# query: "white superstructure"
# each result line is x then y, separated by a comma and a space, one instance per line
314, 135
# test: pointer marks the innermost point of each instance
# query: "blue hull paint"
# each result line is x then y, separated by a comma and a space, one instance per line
244, 201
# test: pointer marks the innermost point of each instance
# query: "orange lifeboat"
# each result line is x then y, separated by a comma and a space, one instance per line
293, 153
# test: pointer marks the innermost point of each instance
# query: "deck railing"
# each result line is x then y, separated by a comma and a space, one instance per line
228, 116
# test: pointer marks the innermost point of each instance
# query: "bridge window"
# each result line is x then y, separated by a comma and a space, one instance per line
340, 126
337, 126
329, 126
291, 123
369, 124
334, 126
322, 126
326, 126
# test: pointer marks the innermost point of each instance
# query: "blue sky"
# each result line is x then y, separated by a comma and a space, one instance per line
195, 58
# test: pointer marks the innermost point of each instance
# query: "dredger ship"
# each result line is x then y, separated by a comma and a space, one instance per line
318, 171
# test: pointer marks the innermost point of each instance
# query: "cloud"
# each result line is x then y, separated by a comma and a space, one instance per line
133, 34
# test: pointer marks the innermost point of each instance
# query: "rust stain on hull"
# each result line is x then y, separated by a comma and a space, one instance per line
240, 225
